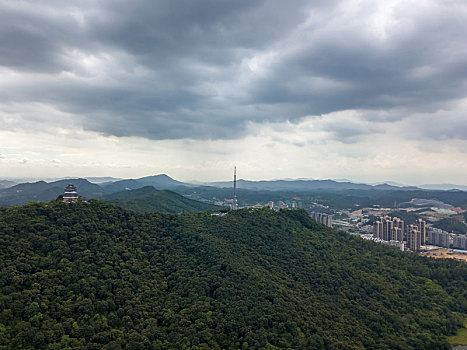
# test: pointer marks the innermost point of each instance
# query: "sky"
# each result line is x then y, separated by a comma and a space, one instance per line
344, 89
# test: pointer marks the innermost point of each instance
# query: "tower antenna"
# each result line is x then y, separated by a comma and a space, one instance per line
234, 204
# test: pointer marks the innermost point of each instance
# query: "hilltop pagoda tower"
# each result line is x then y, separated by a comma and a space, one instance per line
70, 195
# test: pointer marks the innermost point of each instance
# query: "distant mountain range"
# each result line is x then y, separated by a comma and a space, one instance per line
132, 194
102, 179
6, 183
309, 185
443, 187
160, 182
17, 194
42, 191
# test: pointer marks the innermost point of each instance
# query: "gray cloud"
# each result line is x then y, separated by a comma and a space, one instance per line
204, 69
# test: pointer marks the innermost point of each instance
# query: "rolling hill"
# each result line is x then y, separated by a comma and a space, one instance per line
147, 199
95, 276
161, 182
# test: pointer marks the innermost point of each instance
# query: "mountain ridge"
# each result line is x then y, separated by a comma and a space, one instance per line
159, 181
363, 194
149, 199
308, 185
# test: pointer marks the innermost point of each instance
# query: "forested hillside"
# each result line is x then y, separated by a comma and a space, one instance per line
147, 199
95, 276
451, 225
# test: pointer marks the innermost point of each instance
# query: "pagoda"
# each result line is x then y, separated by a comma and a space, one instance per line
70, 195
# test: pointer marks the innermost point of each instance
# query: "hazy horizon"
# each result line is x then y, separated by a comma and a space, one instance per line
201, 181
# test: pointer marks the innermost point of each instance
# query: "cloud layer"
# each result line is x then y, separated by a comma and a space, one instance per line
205, 69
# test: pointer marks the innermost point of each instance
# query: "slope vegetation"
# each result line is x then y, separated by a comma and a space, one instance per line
95, 276
149, 199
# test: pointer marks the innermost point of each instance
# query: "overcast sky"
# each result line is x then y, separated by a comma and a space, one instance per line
364, 90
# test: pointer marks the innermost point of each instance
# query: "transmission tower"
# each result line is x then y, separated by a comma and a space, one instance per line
235, 204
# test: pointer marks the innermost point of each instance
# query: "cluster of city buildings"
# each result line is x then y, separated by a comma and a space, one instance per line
277, 206
280, 205
393, 229
322, 218
390, 230
232, 203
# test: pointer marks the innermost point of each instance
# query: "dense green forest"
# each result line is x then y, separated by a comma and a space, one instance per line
95, 276
148, 199
451, 225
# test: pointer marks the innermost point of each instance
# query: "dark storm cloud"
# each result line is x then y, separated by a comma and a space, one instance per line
204, 69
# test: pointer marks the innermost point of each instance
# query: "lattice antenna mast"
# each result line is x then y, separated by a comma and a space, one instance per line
235, 205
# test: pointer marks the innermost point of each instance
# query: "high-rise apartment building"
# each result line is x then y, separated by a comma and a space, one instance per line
398, 229
322, 218
460, 242
389, 229
397, 234
378, 229
388, 226
413, 237
421, 224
